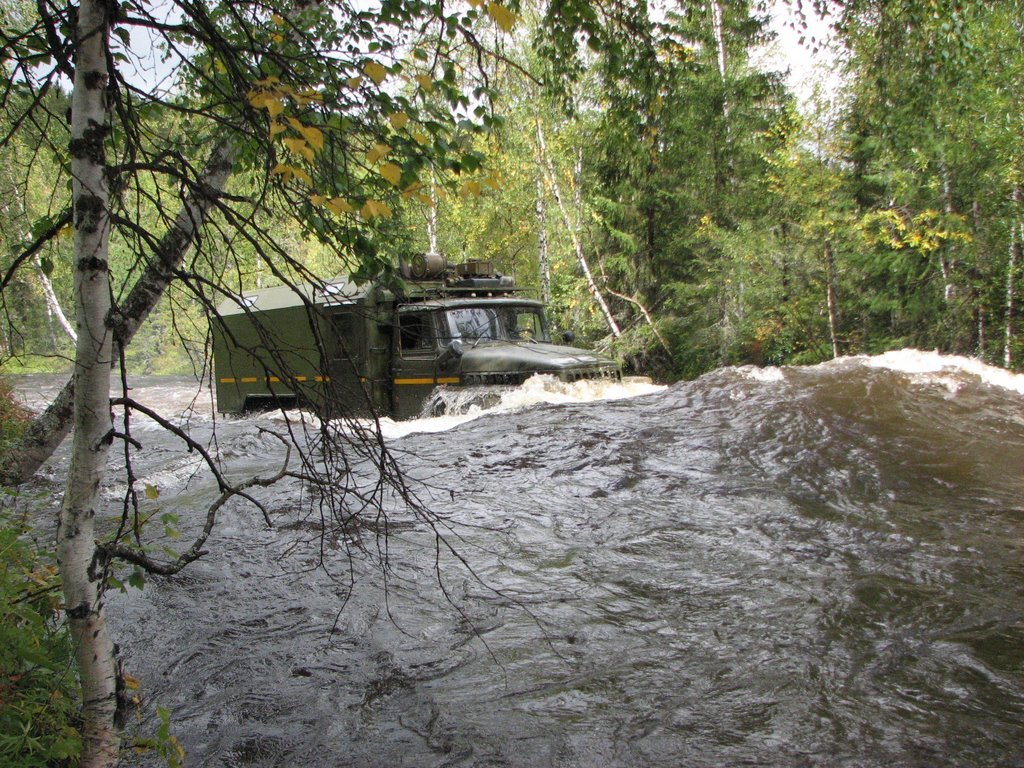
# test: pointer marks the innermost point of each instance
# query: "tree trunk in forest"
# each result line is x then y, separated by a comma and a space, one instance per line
833, 303
981, 328
543, 257
717, 28
50, 428
52, 305
1016, 245
81, 575
647, 317
946, 263
432, 216
556, 192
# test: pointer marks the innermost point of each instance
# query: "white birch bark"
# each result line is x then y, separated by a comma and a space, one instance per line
52, 304
432, 215
577, 245
76, 538
831, 299
946, 264
543, 256
1016, 245
717, 28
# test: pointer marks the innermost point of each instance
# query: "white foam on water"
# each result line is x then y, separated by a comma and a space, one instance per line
538, 389
943, 369
768, 375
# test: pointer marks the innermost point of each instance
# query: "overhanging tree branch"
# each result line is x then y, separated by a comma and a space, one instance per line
50, 428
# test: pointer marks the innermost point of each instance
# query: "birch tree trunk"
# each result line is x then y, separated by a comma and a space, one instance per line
432, 216
76, 539
833, 303
577, 245
981, 327
946, 262
52, 304
1016, 245
717, 28
543, 257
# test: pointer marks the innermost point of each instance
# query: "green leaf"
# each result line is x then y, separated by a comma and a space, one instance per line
137, 579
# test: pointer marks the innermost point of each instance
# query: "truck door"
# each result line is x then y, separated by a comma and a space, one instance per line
346, 345
415, 366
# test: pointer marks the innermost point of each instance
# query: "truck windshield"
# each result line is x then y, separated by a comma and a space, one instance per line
509, 323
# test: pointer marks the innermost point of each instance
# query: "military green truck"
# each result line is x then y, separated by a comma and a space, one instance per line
348, 349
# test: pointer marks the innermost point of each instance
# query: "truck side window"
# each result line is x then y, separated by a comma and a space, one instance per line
416, 332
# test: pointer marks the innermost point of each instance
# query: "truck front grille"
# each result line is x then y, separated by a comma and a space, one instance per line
591, 373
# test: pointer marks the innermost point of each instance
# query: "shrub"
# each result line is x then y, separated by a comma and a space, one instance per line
14, 417
38, 687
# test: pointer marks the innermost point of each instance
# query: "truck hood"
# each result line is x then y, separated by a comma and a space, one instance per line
533, 357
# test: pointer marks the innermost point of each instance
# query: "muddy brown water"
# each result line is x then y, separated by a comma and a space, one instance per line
813, 566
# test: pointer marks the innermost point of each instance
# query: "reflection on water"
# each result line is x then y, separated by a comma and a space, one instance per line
816, 566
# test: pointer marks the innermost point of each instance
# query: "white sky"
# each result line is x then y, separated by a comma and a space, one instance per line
807, 68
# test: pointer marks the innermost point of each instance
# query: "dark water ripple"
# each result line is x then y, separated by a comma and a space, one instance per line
817, 567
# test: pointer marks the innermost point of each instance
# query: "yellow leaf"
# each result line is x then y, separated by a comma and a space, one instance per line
276, 128
377, 152
424, 198
476, 3
470, 189
277, 37
274, 106
131, 683
374, 209
426, 83
277, 19
353, 82
391, 172
66, 231
440, 193
152, 492
398, 120
422, 138
502, 16
317, 199
301, 175
340, 205
492, 181
302, 98
282, 170
314, 136
375, 72
300, 147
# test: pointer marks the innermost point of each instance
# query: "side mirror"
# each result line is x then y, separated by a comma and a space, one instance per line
568, 337
452, 352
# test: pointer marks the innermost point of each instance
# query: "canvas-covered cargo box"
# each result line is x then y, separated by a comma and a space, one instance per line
313, 346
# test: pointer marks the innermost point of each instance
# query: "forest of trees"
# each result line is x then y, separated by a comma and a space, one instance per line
723, 223
663, 191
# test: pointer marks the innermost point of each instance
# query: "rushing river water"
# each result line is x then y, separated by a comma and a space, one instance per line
784, 567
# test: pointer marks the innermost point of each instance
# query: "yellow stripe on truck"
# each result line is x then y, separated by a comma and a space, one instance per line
443, 380
268, 379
